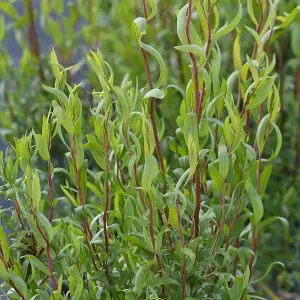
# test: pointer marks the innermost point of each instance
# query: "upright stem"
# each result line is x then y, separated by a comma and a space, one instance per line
106, 149
50, 266
282, 78
152, 236
183, 263
297, 146
50, 183
197, 110
33, 40
87, 232
153, 121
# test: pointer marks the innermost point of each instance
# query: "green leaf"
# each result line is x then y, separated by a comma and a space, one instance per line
261, 132
19, 283
3, 272
153, 6
173, 216
8, 8
150, 168
270, 220
163, 68
229, 27
263, 91
158, 281
38, 264
47, 228
137, 242
237, 59
141, 279
59, 94
223, 161
251, 12
78, 292
264, 179
215, 176
42, 146
237, 288
189, 253
2, 28
155, 93
192, 155
181, 24
267, 271
258, 208
139, 27
278, 142
195, 49
4, 244
36, 191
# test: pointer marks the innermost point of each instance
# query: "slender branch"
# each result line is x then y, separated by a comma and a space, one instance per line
282, 80
33, 39
197, 110
106, 150
152, 236
87, 232
183, 263
297, 146
153, 121
50, 266
107, 188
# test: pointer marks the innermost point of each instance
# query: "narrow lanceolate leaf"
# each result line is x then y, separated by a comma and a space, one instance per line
251, 12
42, 146
150, 168
181, 21
139, 27
19, 283
36, 191
3, 271
4, 244
141, 279
223, 160
237, 59
38, 264
59, 94
155, 93
263, 91
153, 5
258, 208
261, 132
163, 68
173, 216
192, 155
268, 271
270, 220
229, 27
195, 49
2, 27
264, 179
215, 176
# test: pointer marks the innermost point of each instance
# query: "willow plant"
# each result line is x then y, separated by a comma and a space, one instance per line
139, 223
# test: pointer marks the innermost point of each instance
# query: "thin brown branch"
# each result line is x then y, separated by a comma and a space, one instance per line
33, 39
152, 236
183, 261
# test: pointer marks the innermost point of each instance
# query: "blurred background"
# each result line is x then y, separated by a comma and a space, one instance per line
29, 29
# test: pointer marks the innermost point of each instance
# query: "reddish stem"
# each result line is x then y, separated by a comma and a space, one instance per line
50, 183
152, 236
50, 266
183, 263
33, 40
153, 121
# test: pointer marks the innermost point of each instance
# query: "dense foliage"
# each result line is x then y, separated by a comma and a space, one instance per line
155, 184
